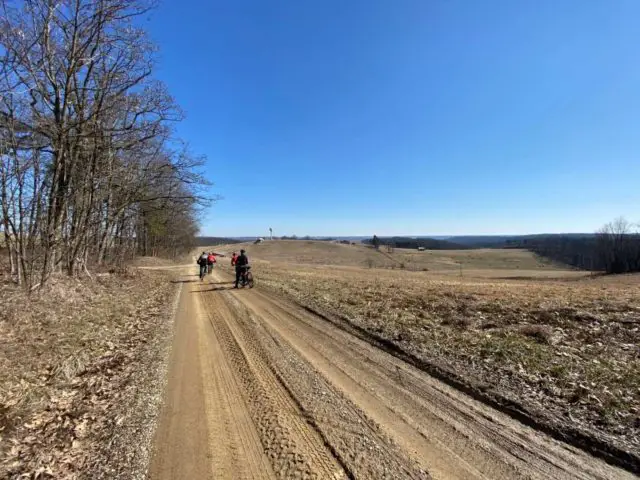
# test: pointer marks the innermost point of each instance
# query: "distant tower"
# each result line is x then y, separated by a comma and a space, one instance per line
270, 233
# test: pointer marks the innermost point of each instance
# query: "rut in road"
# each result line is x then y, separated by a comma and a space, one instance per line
288, 395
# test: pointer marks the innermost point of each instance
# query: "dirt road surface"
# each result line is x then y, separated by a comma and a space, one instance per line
260, 388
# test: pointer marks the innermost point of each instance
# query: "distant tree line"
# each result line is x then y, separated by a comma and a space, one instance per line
90, 169
576, 251
615, 248
210, 241
618, 247
414, 243
307, 238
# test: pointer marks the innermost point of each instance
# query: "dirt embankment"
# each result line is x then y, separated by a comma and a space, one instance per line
81, 373
564, 352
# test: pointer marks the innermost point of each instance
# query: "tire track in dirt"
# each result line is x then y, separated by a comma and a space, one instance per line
235, 447
205, 430
359, 443
293, 446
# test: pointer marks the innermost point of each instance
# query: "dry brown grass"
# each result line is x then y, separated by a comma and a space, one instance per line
71, 363
567, 348
475, 263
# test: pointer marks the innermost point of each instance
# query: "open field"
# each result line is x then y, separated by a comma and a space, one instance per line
564, 348
485, 263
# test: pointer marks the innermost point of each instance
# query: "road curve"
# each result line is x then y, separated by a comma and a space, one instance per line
259, 388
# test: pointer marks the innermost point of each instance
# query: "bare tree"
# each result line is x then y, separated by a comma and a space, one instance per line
619, 247
88, 163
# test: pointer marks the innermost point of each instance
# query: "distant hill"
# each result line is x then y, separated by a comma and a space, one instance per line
501, 241
209, 241
578, 250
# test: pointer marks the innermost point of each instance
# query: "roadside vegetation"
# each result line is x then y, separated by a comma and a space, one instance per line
92, 175
81, 374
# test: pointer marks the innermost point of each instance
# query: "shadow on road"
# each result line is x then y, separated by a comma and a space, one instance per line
214, 289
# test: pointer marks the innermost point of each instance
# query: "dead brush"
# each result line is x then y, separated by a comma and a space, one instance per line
540, 333
459, 321
55, 344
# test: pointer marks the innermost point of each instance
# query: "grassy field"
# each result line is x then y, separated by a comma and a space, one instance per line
483, 263
560, 343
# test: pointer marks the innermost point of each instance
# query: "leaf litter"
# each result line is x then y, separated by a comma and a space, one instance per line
81, 370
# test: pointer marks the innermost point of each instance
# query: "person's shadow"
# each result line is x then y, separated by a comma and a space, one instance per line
220, 286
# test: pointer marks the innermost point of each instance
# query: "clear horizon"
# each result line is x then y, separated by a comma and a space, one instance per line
408, 116
434, 236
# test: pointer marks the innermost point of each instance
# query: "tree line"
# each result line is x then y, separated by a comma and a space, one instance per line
90, 169
414, 243
615, 248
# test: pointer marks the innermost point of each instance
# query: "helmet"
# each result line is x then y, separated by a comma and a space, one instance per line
241, 251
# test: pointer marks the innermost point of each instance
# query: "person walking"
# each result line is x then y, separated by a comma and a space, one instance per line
242, 262
211, 260
202, 262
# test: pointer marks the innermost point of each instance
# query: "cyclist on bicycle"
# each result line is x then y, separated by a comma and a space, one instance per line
242, 262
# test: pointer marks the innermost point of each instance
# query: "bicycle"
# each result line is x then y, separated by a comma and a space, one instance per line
246, 278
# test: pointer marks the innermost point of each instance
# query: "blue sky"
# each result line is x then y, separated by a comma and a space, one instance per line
410, 116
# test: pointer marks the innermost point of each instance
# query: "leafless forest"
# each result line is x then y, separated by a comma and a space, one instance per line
91, 172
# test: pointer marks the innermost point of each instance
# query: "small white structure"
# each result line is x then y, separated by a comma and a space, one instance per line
421, 249
259, 240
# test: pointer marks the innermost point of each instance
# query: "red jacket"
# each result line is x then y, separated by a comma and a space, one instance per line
234, 258
211, 258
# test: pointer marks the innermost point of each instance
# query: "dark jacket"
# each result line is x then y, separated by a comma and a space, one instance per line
242, 261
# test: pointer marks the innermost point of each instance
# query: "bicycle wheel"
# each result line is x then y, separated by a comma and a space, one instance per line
250, 279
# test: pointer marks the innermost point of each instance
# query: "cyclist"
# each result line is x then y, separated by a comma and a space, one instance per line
202, 261
242, 262
234, 258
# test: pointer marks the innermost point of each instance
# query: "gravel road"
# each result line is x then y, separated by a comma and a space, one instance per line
260, 388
